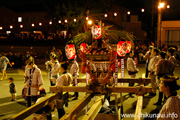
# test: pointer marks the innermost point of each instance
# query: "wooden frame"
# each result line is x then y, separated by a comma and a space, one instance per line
139, 90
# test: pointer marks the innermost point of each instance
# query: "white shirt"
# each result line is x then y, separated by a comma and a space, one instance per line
153, 63
131, 65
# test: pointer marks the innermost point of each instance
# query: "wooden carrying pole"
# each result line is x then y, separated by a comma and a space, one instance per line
91, 114
25, 113
77, 108
139, 106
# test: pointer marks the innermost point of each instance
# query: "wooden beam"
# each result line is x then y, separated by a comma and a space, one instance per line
138, 89
77, 108
30, 110
123, 80
139, 106
134, 80
93, 111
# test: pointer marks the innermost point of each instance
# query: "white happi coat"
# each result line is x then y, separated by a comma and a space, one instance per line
64, 80
37, 81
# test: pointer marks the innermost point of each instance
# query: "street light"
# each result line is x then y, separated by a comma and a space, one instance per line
40, 24
75, 20
168, 6
32, 24
115, 14
59, 21
21, 26
160, 6
50, 22
65, 21
1, 28
11, 27
142, 10
105, 15
128, 12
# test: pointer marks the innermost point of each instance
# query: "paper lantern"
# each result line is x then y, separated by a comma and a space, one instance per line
83, 46
96, 31
121, 49
70, 51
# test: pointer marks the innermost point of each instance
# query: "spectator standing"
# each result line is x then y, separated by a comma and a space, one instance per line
132, 69
152, 65
171, 56
171, 108
3, 64
12, 89
147, 57
163, 67
33, 80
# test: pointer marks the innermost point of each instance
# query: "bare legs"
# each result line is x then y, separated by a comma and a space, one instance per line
4, 75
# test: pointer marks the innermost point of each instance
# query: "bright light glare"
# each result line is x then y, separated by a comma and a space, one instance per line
161, 5
50, 22
105, 15
168, 6
11, 27
40, 24
142, 10
32, 24
89, 22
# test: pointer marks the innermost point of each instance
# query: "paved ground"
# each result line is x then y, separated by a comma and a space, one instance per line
8, 108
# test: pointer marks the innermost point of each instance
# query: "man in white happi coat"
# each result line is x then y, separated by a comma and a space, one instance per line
64, 80
33, 81
152, 67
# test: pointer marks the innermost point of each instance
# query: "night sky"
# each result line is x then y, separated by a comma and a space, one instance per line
130, 4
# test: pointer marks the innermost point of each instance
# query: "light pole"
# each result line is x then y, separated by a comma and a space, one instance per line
160, 6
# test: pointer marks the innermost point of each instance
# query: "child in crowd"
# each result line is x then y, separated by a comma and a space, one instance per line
12, 88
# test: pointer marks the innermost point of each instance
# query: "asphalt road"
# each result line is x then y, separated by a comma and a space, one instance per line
8, 108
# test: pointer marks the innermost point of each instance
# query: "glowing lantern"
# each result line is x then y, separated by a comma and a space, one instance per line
83, 46
12, 63
70, 51
96, 31
123, 47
